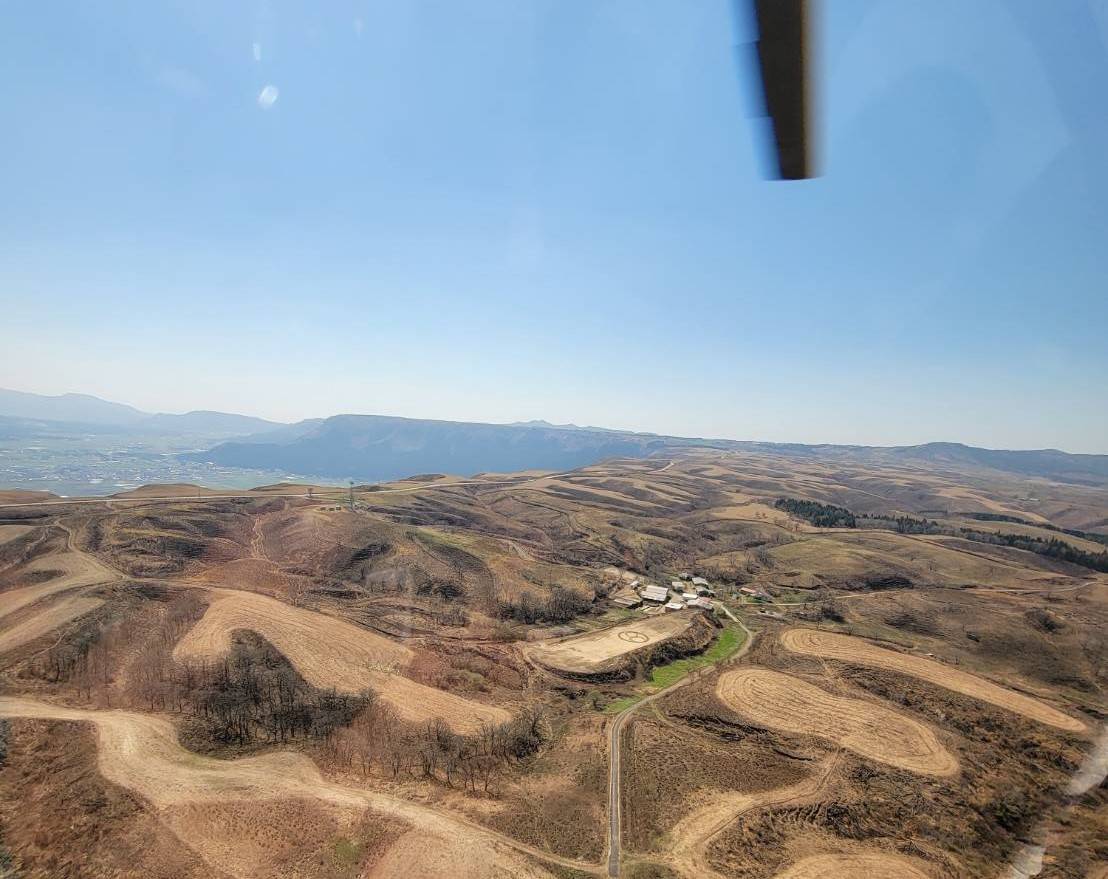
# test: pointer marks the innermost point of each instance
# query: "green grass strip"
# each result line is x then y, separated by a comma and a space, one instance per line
727, 642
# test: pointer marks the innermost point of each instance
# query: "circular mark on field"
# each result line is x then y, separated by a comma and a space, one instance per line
633, 637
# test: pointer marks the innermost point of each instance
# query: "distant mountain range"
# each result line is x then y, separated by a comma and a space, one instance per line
376, 448
1045, 463
83, 413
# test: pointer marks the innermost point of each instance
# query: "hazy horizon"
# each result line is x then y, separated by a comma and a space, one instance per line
579, 424
515, 211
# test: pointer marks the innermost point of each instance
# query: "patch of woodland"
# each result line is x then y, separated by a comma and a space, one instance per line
376, 742
815, 513
558, 605
461, 667
113, 657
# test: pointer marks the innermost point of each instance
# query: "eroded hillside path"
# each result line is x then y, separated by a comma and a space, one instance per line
140, 752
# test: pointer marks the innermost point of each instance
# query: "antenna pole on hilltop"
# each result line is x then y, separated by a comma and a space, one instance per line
351, 494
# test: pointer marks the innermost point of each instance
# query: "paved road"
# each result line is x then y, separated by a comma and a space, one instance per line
615, 768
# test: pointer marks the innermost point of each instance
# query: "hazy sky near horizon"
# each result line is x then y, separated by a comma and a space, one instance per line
498, 211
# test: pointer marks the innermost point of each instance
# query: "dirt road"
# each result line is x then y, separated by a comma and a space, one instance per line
141, 753
615, 767
876, 865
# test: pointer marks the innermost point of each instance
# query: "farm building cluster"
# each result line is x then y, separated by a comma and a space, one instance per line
685, 591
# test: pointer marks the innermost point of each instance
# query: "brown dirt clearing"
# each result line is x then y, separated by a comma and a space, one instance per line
857, 866
589, 652
693, 833
11, 532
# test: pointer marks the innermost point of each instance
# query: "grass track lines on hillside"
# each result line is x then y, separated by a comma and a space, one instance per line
853, 866
11, 532
780, 701
46, 619
330, 653
856, 651
76, 569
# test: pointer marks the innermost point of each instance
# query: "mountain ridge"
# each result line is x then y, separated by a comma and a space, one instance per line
85, 409
378, 447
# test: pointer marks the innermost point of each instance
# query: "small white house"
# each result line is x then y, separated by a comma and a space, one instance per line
675, 605
699, 581
688, 596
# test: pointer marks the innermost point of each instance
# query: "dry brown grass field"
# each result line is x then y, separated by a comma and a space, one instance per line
427, 684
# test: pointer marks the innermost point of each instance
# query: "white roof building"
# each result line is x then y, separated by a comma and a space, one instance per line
654, 593
676, 584
689, 596
699, 581
675, 605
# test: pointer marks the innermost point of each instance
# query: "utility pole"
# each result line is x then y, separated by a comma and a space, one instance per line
351, 495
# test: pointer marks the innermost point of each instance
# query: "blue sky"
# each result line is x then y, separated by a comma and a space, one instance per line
511, 210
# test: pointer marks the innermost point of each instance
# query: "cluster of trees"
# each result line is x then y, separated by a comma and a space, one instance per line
254, 696
1053, 547
251, 696
902, 524
376, 741
92, 657
820, 515
560, 606
1073, 532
